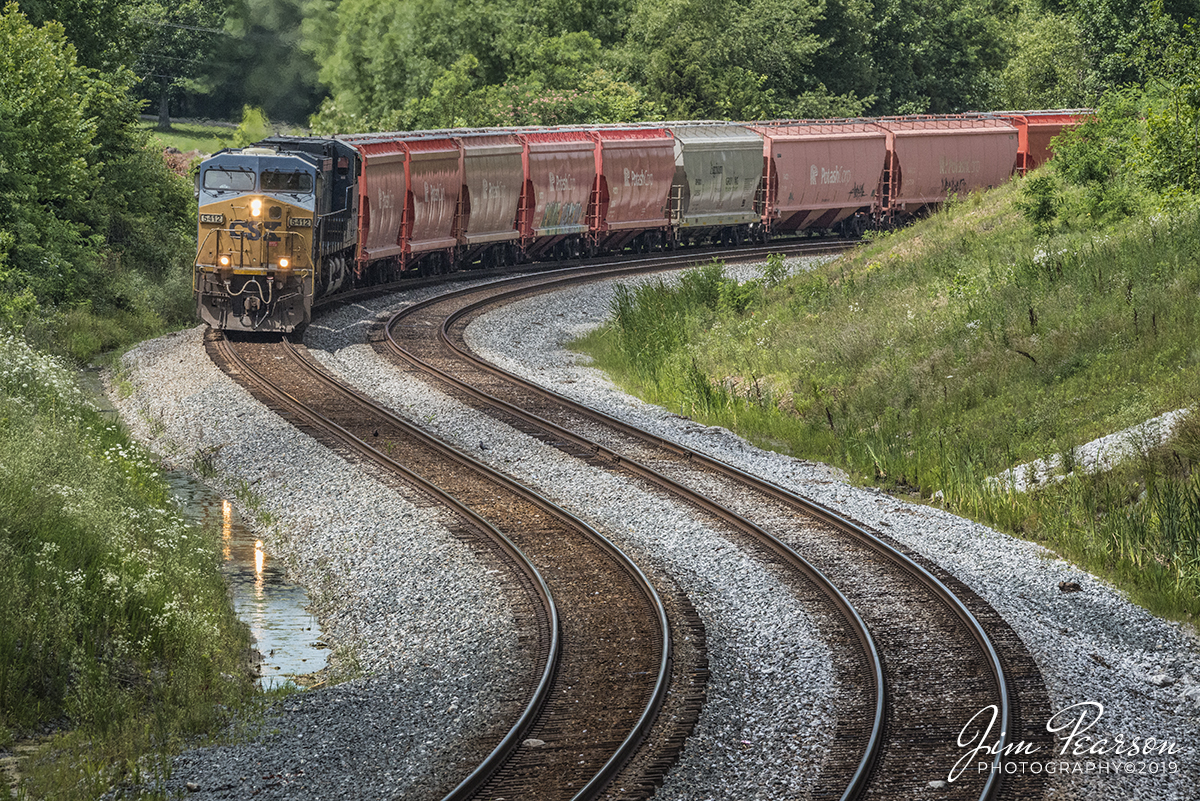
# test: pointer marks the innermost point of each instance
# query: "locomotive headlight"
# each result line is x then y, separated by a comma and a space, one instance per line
284, 263
255, 207
224, 261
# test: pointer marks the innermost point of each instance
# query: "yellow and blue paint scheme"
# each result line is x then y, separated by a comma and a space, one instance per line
255, 260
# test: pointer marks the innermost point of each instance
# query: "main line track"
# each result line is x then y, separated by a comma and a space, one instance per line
604, 655
945, 654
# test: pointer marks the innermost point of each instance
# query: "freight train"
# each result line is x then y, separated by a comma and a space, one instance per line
294, 219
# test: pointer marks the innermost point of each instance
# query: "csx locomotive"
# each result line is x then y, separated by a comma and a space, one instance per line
293, 219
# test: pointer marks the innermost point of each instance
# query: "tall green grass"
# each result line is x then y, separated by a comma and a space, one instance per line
115, 625
937, 356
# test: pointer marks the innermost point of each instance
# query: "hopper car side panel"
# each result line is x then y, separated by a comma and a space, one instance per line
434, 182
560, 171
382, 188
818, 174
492, 178
931, 159
634, 171
718, 169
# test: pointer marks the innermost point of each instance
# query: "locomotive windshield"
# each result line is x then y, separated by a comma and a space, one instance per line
229, 180
295, 182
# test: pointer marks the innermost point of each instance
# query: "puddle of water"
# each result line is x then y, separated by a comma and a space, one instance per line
11, 761
287, 636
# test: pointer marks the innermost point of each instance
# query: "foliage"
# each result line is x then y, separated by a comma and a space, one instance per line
1049, 67
102, 31
46, 138
112, 611
177, 54
264, 61
254, 127
90, 216
435, 63
1038, 201
939, 355
940, 56
1127, 40
554, 93
734, 60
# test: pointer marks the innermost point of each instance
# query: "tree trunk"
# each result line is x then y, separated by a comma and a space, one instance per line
164, 115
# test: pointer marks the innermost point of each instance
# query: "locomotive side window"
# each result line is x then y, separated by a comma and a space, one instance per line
295, 183
229, 180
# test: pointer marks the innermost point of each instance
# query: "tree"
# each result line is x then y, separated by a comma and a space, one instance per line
45, 141
1050, 67
101, 30
83, 201
263, 61
1127, 39
734, 59
178, 42
939, 56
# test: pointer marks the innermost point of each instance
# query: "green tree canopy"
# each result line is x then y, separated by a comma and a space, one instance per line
82, 199
102, 31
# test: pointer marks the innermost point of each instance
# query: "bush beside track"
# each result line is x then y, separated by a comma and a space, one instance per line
1013, 325
116, 631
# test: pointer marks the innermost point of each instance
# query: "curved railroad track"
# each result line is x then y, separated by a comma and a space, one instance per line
604, 656
946, 654
647, 262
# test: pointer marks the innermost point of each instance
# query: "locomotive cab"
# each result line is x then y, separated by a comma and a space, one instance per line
255, 260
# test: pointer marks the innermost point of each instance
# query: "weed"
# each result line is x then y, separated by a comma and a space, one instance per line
932, 358
114, 619
253, 503
204, 461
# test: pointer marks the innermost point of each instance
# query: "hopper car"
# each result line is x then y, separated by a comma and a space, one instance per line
294, 219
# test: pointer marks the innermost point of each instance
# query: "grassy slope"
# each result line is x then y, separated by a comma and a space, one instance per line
187, 137
950, 350
135, 645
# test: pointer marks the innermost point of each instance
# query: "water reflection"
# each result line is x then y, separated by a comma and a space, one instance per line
285, 634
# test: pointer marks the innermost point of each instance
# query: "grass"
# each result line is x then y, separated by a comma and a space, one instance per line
187, 137
941, 354
87, 332
116, 631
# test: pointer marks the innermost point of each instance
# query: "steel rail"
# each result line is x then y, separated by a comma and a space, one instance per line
503, 751
817, 510
820, 511
845, 608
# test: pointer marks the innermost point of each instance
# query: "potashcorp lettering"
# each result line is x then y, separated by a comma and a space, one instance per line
643, 178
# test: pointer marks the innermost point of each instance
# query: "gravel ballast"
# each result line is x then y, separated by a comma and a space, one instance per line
400, 600
1092, 646
372, 562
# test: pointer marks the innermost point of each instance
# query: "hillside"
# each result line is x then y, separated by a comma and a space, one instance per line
1010, 326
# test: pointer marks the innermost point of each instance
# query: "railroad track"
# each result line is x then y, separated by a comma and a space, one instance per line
945, 653
660, 261
604, 647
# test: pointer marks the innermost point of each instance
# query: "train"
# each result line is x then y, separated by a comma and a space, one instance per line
294, 219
